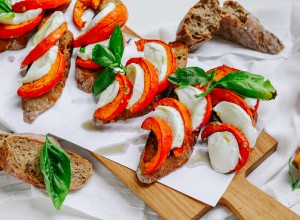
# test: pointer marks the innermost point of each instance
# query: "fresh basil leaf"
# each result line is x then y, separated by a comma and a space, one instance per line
295, 184
103, 56
82, 50
103, 81
248, 85
5, 6
189, 76
116, 44
208, 89
56, 166
211, 75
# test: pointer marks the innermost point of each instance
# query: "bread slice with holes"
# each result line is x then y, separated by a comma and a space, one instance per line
33, 107
20, 157
199, 24
240, 26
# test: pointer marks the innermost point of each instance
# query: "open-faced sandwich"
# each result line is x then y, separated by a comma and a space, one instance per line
41, 161
177, 121
18, 22
48, 66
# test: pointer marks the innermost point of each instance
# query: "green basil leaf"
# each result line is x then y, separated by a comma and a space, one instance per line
82, 50
189, 76
103, 56
56, 166
5, 6
103, 81
116, 43
248, 85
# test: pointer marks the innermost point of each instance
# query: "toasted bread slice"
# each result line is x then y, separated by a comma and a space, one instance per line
172, 163
241, 27
199, 24
20, 157
181, 53
19, 43
33, 107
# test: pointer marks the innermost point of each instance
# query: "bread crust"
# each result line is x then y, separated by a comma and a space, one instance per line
11, 162
199, 24
241, 27
33, 107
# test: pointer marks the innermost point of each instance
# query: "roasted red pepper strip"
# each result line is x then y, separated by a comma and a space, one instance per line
17, 30
296, 161
150, 84
104, 28
87, 64
34, 4
118, 105
95, 4
171, 60
239, 136
80, 7
218, 95
163, 134
186, 117
45, 45
47, 82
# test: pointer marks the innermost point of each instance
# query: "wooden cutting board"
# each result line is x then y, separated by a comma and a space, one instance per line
244, 199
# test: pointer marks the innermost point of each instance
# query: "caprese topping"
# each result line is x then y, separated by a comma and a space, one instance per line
161, 56
228, 147
47, 36
233, 114
200, 108
103, 24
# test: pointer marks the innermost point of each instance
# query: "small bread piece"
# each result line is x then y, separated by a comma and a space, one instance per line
241, 27
199, 24
181, 52
20, 157
34, 106
85, 78
172, 163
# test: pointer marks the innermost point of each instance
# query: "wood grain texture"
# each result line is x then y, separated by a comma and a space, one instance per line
244, 199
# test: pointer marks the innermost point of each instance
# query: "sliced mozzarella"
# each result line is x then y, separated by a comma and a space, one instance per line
233, 114
88, 52
41, 66
251, 102
109, 94
54, 22
196, 106
135, 74
109, 7
173, 118
223, 151
157, 55
20, 18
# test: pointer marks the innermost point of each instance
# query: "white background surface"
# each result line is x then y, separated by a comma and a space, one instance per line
144, 17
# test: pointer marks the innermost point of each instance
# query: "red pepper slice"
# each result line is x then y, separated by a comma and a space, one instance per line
80, 7
44, 45
34, 4
17, 30
218, 95
163, 134
104, 28
150, 84
296, 161
171, 59
118, 105
239, 136
186, 117
47, 82
87, 64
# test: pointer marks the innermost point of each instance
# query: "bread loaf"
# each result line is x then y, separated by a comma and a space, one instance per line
241, 27
199, 24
